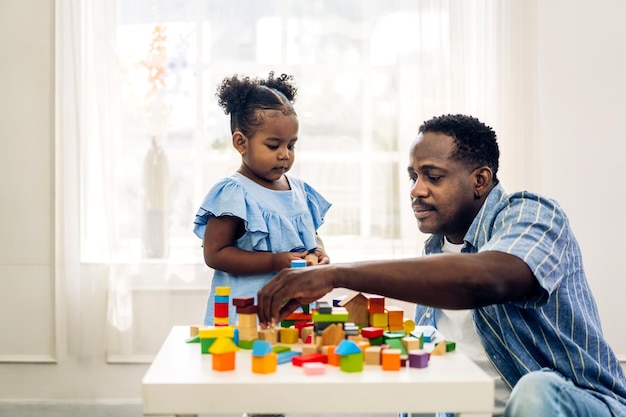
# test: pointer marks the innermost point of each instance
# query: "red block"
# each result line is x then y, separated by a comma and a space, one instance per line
253, 309
376, 304
221, 310
311, 357
371, 332
243, 301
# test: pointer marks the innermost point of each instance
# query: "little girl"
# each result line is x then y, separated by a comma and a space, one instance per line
256, 221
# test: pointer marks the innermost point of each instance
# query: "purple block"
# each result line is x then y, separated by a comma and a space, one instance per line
418, 359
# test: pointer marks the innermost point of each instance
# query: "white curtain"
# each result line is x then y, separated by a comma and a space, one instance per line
443, 57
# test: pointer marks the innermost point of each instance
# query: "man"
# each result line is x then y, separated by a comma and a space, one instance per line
534, 323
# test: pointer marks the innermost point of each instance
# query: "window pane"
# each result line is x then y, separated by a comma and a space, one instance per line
349, 59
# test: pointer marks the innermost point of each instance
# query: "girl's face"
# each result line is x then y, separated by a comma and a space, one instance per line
270, 151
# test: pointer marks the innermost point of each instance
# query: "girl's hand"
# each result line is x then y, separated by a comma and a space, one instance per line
317, 257
282, 260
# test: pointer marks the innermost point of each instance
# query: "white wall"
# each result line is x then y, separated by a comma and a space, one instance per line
582, 106
581, 59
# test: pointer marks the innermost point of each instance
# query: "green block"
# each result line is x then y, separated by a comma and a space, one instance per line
330, 318
377, 341
397, 334
396, 344
193, 339
280, 348
246, 344
205, 344
450, 346
352, 362
287, 323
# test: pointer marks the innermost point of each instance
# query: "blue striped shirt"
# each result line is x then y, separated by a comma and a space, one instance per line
558, 327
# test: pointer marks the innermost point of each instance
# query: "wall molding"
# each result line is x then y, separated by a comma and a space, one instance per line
28, 359
71, 408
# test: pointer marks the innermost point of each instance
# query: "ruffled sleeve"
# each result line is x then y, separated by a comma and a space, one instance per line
229, 198
318, 205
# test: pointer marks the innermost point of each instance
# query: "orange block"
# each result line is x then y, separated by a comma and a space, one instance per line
223, 361
391, 359
265, 364
333, 358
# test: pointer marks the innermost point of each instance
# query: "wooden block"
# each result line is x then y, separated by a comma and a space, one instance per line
288, 336
314, 368
333, 358
379, 320
222, 290
307, 334
213, 332
270, 335
243, 301
418, 358
220, 321
411, 343
253, 309
371, 332
332, 335
224, 361
311, 259
372, 355
264, 364
285, 357
310, 348
450, 346
302, 325
247, 321
220, 310
440, 349
352, 362
312, 357
248, 333
299, 316
390, 359
376, 304
396, 316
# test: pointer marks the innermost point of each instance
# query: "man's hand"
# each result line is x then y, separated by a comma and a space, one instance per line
290, 289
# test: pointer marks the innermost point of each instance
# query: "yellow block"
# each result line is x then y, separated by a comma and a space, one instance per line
288, 335
222, 290
220, 320
213, 332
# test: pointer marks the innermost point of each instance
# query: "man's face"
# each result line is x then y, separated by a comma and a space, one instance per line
442, 189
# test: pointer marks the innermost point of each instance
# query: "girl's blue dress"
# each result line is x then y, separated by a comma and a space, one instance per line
275, 221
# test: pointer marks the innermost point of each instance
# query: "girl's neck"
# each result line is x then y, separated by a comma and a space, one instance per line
281, 184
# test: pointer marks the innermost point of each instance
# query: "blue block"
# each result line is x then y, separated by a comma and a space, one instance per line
222, 299
285, 357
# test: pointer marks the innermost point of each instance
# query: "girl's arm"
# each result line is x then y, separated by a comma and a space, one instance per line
221, 253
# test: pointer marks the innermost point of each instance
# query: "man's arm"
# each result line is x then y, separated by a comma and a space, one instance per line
453, 281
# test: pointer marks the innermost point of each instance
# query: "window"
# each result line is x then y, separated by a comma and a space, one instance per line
351, 61
148, 128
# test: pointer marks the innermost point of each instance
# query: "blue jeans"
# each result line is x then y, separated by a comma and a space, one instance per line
547, 393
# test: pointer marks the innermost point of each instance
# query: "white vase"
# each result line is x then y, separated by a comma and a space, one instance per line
155, 216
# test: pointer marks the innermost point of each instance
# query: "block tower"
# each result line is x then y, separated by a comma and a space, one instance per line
222, 301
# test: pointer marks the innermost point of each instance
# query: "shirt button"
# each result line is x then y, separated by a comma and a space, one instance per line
427, 315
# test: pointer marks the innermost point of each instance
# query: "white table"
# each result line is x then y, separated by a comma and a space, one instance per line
181, 381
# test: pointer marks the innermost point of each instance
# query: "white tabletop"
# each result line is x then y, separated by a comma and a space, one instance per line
181, 381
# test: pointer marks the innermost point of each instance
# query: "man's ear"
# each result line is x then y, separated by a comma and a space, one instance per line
483, 181
240, 142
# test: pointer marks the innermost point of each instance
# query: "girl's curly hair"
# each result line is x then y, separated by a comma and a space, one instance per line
246, 98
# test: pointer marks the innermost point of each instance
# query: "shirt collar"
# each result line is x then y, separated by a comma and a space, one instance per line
473, 237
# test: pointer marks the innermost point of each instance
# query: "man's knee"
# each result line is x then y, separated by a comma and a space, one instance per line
533, 394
